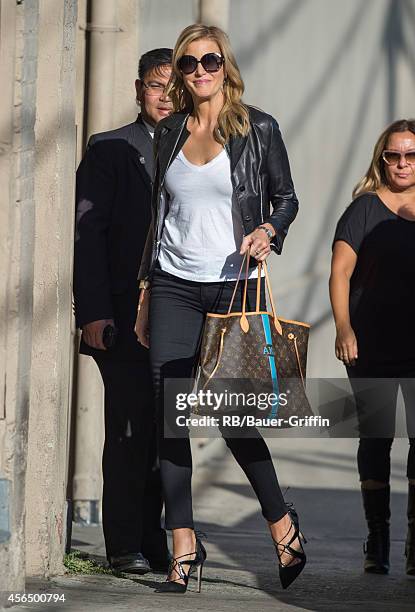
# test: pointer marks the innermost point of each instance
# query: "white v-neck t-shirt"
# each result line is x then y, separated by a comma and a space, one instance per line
203, 229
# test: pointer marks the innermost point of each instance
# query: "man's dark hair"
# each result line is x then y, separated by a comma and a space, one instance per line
154, 59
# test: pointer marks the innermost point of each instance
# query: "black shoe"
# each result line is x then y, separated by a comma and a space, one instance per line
376, 550
130, 563
410, 538
289, 572
377, 546
177, 567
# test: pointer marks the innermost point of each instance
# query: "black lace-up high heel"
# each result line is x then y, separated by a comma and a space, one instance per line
289, 572
177, 567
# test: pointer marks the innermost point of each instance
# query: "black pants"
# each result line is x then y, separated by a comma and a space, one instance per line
132, 501
375, 394
177, 312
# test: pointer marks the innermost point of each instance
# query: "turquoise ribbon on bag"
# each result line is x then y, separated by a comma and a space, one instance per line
272, 366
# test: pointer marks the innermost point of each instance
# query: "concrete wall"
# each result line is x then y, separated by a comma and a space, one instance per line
162, 21
52, 297
18, 70
37, 125
80, 75
112, 65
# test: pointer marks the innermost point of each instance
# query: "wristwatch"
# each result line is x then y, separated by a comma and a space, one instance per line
267, 231
144, 284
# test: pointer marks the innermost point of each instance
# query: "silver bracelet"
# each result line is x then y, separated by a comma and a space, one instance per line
267, 231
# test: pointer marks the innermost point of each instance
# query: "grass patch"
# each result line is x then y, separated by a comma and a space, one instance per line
76, 563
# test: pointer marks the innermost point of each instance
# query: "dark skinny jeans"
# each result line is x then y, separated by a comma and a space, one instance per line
376, 392
177, 313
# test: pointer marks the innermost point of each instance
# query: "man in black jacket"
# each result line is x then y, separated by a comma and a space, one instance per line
113, 210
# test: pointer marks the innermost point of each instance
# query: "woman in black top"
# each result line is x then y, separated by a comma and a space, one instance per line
372, 290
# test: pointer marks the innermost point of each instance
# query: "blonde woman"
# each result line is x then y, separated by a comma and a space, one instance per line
219, 165
372, 289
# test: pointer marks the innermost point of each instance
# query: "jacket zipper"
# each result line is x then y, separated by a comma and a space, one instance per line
260, 194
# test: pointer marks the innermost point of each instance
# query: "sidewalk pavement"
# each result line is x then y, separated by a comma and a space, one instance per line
241, 569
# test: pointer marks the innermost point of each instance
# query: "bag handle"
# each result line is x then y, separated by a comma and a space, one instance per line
243, 320
236, 284
277, 324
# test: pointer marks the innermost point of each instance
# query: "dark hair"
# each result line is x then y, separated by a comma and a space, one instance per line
153, 59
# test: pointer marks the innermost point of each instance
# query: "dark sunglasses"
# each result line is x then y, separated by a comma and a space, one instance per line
392, 158
211, 62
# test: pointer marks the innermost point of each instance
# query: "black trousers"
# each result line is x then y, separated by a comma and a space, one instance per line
177, 313
375, 393
132, 501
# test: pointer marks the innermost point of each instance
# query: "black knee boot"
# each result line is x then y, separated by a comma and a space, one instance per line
410, 539
376, 503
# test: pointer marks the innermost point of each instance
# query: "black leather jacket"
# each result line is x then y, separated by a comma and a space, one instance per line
260, 173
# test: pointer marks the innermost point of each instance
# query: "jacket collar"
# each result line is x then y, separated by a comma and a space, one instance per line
175, 120
178, 133
139, 121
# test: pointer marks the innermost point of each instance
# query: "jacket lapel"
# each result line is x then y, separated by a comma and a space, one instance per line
235, 149
177, 135
147, 148
142, 143
173, 140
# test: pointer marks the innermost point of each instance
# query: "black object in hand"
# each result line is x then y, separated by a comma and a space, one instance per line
109, 336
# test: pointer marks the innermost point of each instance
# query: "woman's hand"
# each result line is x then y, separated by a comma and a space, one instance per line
257, 243
141, 324
346, 345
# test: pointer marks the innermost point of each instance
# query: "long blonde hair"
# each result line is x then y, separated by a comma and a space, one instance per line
233, 118
375, 177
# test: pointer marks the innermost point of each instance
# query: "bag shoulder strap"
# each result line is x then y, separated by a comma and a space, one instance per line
244, 321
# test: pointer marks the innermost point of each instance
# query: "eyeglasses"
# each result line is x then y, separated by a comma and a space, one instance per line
154, 89
392, 158
211, 62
